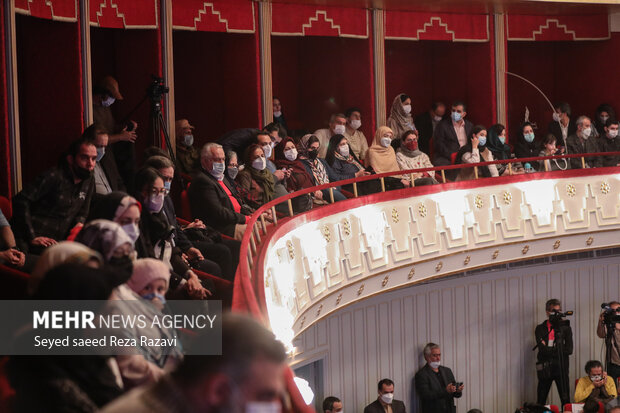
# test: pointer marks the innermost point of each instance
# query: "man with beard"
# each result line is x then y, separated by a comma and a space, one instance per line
46, 210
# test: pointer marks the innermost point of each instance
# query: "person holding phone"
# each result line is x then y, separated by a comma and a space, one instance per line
435, 384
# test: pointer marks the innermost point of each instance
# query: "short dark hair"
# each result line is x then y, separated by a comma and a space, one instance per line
159, 162
275, 126
74, 147
590, 406
155, 151
592, 364
435, 105
552, 303
349, 112
387, 382
611, 121
549, 139
328, 403
91, 132
563, 106
260, 133
460, 103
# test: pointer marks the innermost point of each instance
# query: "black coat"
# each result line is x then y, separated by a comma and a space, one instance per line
424, 125
211, 204
108, 164
563, 342
377, 407
238, 140
434, 398
556, 130
446, 143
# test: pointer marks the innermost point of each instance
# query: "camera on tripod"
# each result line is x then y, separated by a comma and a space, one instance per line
610, 315
557, 317
157, 89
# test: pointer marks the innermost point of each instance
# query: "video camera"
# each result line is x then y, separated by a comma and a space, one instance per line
557, 317
610, 316
157, 89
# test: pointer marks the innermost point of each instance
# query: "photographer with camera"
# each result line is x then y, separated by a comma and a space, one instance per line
554, 340
435, 384
609, 329
596, 386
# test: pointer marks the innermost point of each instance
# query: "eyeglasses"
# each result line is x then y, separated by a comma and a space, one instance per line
156, 191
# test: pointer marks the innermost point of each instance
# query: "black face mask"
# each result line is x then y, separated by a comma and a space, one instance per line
122, 269
81, 173
312, 154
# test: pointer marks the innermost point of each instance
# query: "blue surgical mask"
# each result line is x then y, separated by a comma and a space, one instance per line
502, 139
529, 137
482, 140
456, 116
167, 185
150, 296
155, 203
100, 153
108, 101
132, 230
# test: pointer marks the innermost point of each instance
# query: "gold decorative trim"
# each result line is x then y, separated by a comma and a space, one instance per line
360, 290
495, 254
318, 312
467, 260
268, 279
439, 266
303, 320
394, 215
385, 281
291, 249
346, 226
525, 249
422, 210
479, 201
411, 273
589, 241
339, 299
327, 234
556, 245
571, 190
507, 198
605, 188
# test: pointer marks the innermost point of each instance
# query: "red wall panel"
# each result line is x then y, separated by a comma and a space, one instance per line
215, 80
584, 74
437, 70
232, 16
128, 14
131, 56
62, 10
317, 76
5, 164
49, 91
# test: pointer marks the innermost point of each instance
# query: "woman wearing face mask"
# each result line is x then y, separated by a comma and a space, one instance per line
316, 167
409, 156
157, 237
604, 111
526, 145
475, 151
382, 158
400, 120
255, 183
286, 158
549, 149
345, 165
496, 142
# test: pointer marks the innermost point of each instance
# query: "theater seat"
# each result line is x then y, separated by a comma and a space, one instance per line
554, 408
573, 407
186, 211
14, 283
224, 288
453, 157
5, 206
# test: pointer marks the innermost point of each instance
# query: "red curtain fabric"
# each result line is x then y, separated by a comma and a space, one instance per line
553, 28
311, 20
229, 16
5, 171
436, 26
63, 10
124, 14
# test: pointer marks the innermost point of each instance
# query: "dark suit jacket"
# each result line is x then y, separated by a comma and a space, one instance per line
108, 164
555, 130
377, 407
433, 395
424, 125
575, 145
446, 142
211, 204
546, 353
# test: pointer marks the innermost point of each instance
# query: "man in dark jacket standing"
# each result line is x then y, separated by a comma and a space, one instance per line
554, 340
435, 384
385, 403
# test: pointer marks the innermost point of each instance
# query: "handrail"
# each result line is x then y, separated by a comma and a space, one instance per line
249, 245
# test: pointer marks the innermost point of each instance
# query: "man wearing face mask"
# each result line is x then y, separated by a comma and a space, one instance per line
451, 134
106, 175
596, 386
609, 142
337, 126
356, 138
562, 125
278, 116
247, 377
582, 143
435, 384
427, 123
188, 159
386, 403
46, 210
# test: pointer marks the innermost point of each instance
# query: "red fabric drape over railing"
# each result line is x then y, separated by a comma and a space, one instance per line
228, 16
124, 14
400, 25
554, 28
62, 10
311, 20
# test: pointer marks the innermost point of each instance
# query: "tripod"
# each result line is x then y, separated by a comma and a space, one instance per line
559, 341
159, 125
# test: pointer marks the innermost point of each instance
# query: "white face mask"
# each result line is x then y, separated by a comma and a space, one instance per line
387, 398
434, 364
356, 123
339, 129
232, 172
107, 102
267, 149
277, 114
585, 133
132, 230
385, 142
217, 170
263, 407
259, 163
604, 119
556, 116
188, 139
344, 150
437, 118
407, 108
290, 154
613, 133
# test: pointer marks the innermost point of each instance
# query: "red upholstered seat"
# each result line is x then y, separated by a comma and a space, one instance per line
5, 206
453, 157
569, 407
186, 211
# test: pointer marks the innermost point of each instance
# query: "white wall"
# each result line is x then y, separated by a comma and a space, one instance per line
484, 324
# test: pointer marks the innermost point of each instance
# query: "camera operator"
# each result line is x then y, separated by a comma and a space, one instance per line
609, 329
554, 340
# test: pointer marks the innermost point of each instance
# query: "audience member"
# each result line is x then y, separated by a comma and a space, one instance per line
476, 151
400, 119
596, 386
427, 122
337, 126
248, 376
345, 165
121, 136
591, 406
213, 199
9, 254
526, 146
150, 279
106, 175
237, 140
409, 156
266, 141
188, 159
46, 210
612, 340
549, 149
276, 131
496, 143
451, 134
317, 168
356, 138
386, 403
278, 116
562, 125
580, 143
255, 183
332, 404
609, 141
382, 158
298, 179
435, 384
554, 340
232, 165
604, 112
